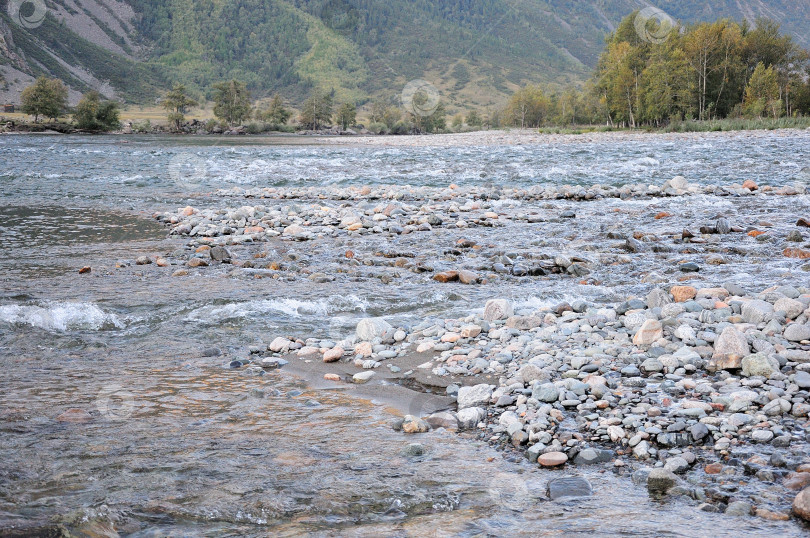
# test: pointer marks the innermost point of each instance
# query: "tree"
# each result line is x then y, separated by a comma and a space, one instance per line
383, 113
95, 114
177, 103
277, 113
347, 115
762, 93
458, 121
317, 110
232, 102
430, 123
474, 119
46, 97
528, 107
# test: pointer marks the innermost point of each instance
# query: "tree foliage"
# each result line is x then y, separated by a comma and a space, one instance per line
347, 115
231, 102
45, 97
94, 113
177, 103
317, 110
276, 113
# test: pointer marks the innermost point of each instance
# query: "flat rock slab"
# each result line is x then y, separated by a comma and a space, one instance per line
569, 487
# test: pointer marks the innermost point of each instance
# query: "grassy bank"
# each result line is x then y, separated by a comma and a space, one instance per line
692, 126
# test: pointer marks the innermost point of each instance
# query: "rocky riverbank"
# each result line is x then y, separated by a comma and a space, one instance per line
689, 372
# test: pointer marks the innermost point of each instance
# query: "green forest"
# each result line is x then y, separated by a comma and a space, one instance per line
704, 71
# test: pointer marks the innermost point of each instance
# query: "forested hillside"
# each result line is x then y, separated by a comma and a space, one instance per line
474, 51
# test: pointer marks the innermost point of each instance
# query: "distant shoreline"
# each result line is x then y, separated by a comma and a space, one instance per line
494, 137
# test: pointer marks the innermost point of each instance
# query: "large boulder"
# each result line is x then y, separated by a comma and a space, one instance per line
729, 350
649, 333
801, 504
661, 480
477, 396
796, 332
759, 364
756, 311
371, 328
470, 417
498, 309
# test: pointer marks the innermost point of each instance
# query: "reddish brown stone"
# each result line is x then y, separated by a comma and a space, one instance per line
84, 270
446, 276
796, 253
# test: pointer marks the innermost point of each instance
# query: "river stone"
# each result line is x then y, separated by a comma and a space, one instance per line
661, 480
756, 311
370, 328
470, 417
683, 293
569, 487
363, 377
679, 183
650, 332
802, 380
477, 396
762, 436
741, 400
729, 350
652, 365
677, 465
591, 456
657, 298
796, 332
801, 504
552, 459
546, 392
412, 424
791, 307
759, 364
497, 309
279, 345
738, 508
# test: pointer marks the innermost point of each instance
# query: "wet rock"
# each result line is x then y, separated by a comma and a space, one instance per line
220, 254
413, 450
143, 260
591, 456
569, 487
75, 416
661, 480
470, 417
739, 508
546, 392
801, 504
689, 267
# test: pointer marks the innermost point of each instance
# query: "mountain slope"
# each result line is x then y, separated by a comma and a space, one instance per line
475, 51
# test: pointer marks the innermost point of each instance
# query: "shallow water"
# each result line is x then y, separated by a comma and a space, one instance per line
175, 443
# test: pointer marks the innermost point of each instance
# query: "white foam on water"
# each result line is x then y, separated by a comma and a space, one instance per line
64, 316
287, 307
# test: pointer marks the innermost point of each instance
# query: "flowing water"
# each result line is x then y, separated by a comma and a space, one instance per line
163, 439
